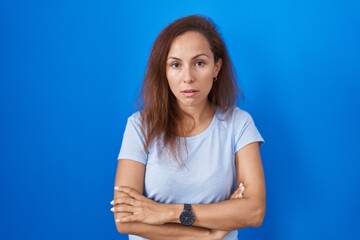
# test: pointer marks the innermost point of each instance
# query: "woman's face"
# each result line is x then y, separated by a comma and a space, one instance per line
190, 69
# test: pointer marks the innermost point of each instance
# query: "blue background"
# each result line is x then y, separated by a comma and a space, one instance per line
70, 72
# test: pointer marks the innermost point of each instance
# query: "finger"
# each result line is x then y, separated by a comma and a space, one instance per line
239, 195
242, 191
123, 209
242, 188
125, 200
237, 191
118, 194
235, 194
131, 192
130, 218
121, 214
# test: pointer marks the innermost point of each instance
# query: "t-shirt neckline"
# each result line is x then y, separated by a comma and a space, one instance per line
205, 132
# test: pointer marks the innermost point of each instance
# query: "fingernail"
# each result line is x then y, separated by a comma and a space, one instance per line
116, 188
117, 220
112, 202
112, 209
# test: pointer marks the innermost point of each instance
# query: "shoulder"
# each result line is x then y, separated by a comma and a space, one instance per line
239, 113
134, 121
135, 118
234, 115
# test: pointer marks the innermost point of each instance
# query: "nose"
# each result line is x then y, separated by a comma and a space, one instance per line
188, 75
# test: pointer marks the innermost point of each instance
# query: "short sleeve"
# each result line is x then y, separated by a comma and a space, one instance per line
132, 147
245, 130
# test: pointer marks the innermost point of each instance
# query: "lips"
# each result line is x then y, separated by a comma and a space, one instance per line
189, 92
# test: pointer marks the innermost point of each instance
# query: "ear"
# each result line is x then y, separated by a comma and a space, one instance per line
217, 67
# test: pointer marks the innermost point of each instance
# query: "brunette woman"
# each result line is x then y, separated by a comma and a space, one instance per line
188, 155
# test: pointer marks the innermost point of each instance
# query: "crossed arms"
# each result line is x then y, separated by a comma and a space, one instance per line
138, 215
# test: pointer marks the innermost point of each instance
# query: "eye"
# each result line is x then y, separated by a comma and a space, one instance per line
200, 63
175, 65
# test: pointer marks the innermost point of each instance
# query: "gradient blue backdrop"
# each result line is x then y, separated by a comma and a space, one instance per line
70, 72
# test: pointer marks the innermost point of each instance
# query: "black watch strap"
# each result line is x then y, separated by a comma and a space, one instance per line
187, 207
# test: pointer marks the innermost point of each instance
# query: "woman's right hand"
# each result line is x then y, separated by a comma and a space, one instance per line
239, 193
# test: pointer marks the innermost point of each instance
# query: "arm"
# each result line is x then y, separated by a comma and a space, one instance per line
131, 174
226, 215
234, 213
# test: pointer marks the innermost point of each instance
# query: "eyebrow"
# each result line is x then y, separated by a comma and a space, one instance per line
196, 56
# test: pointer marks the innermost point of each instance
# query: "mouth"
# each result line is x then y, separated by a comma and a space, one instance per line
189, 91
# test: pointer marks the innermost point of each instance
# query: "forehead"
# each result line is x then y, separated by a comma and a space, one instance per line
189, 44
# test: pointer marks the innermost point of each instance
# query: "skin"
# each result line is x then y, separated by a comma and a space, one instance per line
191, 66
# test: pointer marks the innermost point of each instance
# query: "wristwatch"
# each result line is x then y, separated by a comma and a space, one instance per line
187, 217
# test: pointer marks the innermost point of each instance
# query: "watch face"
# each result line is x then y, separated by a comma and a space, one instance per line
187, 218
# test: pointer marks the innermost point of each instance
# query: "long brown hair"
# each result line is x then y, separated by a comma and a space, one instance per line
161, 116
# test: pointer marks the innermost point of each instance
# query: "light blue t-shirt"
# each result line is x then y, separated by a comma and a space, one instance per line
208, 172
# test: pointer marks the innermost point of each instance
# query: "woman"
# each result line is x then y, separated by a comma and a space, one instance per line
186, 157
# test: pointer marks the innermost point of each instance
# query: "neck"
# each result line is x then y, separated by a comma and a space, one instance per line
198, 113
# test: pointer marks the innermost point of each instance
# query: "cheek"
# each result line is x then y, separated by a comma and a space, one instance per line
172, 86
172, 76
171, 82
209, 86
173, 79
208, 80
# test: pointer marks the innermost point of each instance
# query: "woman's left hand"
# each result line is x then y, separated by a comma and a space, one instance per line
141, 208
